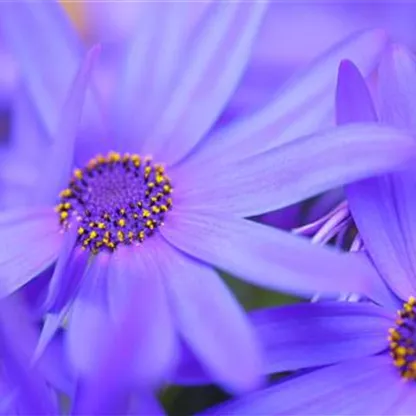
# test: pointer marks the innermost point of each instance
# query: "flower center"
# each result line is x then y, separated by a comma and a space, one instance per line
116, 199
403, 340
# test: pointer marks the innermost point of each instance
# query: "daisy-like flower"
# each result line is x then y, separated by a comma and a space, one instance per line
372, 348
156, 200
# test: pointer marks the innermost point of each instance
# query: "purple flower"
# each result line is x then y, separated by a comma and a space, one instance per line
359, 370
157, 226
370, 349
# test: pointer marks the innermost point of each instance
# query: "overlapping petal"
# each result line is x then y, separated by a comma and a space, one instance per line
148, 69
368, 386
268, 257
397, 87
383, 207
52, 40
300, 108
315, 334
20, 259
58, 167
295, 171
135, 274
211, 321
213, 65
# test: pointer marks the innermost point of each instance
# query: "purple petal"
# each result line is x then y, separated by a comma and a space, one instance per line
88, 329
384, 207
295, 171
108, 387
406, 404
384, 211
135, 272
269, 257
315, 334
148, 69
67, 273
211, 321
63, 287
46, 75
353, 99
30, 243
189, 370
301, 107
58, 168
213, 66
367, 386
55, 366
33, 395
145, 404
397, 87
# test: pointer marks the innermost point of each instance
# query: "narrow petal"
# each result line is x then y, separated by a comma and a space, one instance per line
47, 76
384, 211
297, 170
301, 107
67, 273
211, 321
31, 241
135, 272
213, 66
58, 168
88, 329
63, 288
47, 28
108, 390
383, 207
147, 70
353, 99
269, 257
316, 334
349, 388
397, 87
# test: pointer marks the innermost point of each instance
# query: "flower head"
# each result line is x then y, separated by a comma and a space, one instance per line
156, 199
362, 356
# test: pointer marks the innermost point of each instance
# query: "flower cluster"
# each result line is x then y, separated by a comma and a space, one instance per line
143, 193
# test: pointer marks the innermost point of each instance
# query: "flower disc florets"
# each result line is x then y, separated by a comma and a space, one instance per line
403, 340
116, 199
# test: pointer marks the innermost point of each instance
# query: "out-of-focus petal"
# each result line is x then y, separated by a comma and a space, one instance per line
58, 167
300, 108
295, 171
147, 70
67, 274
51, 61
31, 393
369, 386
30, 243
135, 271
214, 63
315, 334
211, 321
269, 257
88, 330
383, 207
397, 87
